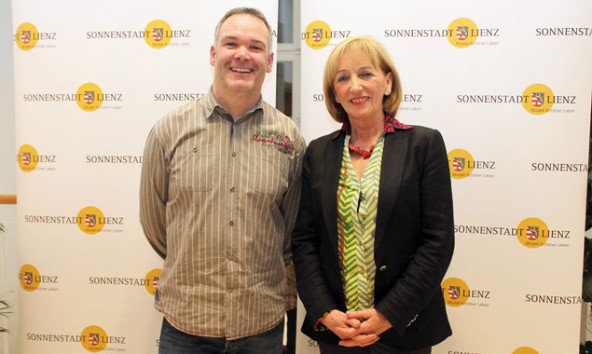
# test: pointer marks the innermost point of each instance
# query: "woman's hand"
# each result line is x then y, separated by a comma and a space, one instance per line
341, 325
372, 325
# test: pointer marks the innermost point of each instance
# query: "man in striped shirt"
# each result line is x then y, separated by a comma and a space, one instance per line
219, 190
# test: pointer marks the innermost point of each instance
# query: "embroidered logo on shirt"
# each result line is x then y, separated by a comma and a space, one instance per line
283, 143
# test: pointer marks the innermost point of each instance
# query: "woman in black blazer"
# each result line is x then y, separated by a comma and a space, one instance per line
375, 232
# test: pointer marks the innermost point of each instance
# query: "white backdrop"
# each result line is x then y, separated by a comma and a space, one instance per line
90, 81
519, 186
85, 263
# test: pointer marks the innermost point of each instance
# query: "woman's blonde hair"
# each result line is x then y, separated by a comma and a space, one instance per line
379, 58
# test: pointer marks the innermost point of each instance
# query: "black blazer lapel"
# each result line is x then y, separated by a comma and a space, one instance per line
391, 174
330, 182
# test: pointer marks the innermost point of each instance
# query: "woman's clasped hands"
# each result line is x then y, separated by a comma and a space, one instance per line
356, 328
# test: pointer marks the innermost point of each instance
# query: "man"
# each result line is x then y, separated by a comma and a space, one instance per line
219, 191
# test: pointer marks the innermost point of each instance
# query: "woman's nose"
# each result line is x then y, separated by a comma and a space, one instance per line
355, 83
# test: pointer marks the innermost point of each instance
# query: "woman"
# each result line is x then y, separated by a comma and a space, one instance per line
374, 235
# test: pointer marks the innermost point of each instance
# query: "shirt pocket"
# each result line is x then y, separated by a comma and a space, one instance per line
270, 174
198, 168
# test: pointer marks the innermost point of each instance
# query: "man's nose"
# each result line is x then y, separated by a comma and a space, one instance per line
242, 53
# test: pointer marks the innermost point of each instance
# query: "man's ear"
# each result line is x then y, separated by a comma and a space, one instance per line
269, 62
212, 55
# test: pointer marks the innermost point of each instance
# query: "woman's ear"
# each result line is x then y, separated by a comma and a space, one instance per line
389, 84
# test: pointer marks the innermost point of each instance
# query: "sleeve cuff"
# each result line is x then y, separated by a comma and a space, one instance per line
319, 327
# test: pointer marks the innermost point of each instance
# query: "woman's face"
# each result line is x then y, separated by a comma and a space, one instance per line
360, 87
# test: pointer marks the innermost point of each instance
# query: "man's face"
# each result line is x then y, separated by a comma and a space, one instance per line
240, 56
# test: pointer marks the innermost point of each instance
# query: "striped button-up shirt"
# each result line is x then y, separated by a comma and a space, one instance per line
218, 201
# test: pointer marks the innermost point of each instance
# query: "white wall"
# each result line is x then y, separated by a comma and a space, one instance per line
8, 262
7, 142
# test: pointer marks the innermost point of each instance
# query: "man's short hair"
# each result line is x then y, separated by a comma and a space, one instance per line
246, 11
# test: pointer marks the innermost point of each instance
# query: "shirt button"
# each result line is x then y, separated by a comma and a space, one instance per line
232, 189
231, 223
234, 154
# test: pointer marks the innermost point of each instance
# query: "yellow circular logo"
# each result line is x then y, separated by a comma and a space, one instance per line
89, 97
455, 292
26, 36
317, 35
525, 350
533, 232
29, 278
93, 339
152, 279
538, 99
91, 220
462, 32
158, 34
28, 158
461, 163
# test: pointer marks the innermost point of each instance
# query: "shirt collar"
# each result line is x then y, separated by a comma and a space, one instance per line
213, 105
390, 125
